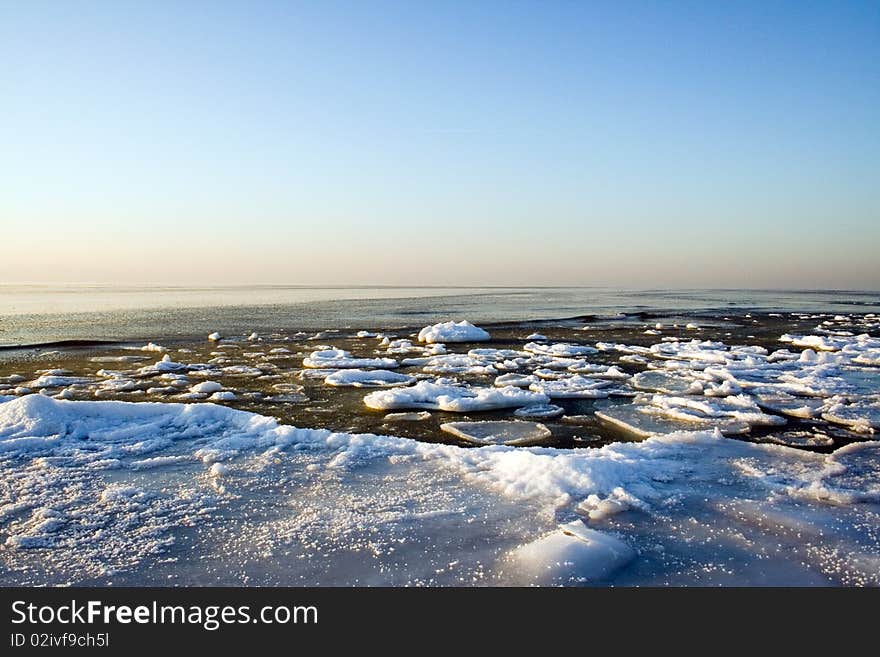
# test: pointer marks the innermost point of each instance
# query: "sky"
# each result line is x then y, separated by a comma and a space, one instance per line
632, 144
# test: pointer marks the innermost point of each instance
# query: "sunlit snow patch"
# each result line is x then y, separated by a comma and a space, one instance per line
462, 331
456, 399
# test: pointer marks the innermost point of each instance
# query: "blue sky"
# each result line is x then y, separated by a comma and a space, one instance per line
687, 144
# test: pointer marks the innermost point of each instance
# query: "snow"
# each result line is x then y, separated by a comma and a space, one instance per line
54, 381
163, 365
341, 359
225, 395
367, 379
451, 331
452, 398
71, 488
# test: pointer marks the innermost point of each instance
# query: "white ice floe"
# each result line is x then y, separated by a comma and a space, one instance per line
496, 354
222, 395
597, 507
573, 553
560, 349
241, 370
51, 381
819, 342
800, 439
862, 415
572, 386
403, 346
462, 331
206, 387
657, 414
214, 337
163, 365
515, 379
413, 416
800, 407
498, 432
540, 411
672, 384
367, 379
453, 364
335, 359
456, 399
536, 336
117, 359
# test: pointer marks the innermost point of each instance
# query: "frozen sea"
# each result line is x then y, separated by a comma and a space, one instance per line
357, 436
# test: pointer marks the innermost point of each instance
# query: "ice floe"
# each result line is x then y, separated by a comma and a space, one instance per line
206, 387
656, 414
462, 331
452, 398
498, 432
341, 359
540, 411
573, 552
572, 386
559, 349
367, 379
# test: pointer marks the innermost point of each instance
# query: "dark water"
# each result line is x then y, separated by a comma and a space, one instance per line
34, 314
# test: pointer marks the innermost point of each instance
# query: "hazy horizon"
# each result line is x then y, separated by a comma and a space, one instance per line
629, 145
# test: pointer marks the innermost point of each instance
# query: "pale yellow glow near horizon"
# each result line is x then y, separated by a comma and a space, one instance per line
416, 260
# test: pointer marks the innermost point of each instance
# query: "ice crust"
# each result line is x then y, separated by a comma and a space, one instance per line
72, 490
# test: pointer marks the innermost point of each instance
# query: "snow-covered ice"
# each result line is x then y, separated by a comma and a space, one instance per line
339, 359
452, 398
560, 349
93, 492
494, 432
367, 379
462, 331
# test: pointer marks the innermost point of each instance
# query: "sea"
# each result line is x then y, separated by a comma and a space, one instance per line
35, 314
